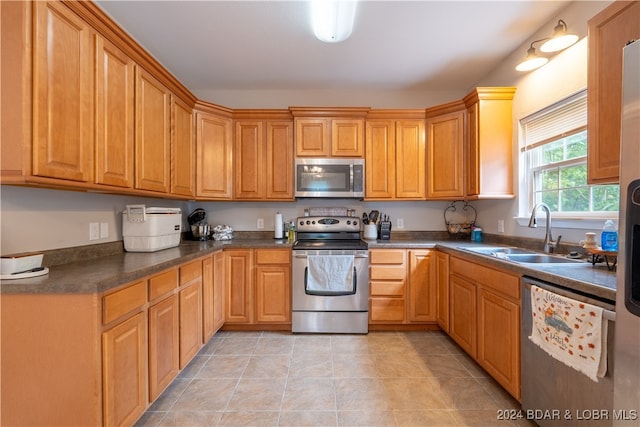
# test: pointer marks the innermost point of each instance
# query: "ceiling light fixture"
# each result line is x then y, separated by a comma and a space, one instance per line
560, 40
332, 20
533, 60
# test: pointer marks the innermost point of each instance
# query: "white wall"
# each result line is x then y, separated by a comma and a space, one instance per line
37, 219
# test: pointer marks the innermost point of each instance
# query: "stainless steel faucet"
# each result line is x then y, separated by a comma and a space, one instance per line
549, 244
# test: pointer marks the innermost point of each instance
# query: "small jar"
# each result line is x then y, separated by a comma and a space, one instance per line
476, 234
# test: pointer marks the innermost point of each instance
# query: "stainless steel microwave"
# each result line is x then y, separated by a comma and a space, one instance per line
329, 177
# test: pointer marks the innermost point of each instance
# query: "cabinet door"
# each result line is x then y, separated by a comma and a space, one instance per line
462, 326
609, 31
442, 290
347, 137
218, 290
190, 322
238, 286
273, 293
208, 326
499, 339
163, 345
422, 286
249, 160
124, 371
312, 137
183, 150
279, 161
62, 98
214, 149
152, 141
489, 144
114, 115
410, 159
380, 160
445, 159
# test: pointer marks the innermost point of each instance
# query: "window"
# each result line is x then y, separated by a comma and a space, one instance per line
555, 160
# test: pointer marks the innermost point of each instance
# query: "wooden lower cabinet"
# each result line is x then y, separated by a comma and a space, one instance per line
124, 356
442, 290
208, 290
499, 339
402, 286
257, 286
190, 301
218, 290
272, 286
238, 286
462, 328
163, 345
485, 312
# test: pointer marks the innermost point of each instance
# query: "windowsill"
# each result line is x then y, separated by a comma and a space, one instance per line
594, 222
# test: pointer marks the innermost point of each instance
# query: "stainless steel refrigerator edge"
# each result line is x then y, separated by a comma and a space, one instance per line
627, 335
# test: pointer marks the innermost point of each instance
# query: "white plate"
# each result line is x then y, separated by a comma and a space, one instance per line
24, 275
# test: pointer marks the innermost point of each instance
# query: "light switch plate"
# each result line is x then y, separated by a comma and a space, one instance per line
104, 230
260, 223
94, 231
501, 226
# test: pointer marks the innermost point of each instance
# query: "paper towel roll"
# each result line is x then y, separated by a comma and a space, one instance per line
277, 234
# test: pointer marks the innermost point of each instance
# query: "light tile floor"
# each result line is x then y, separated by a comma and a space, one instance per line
379, 379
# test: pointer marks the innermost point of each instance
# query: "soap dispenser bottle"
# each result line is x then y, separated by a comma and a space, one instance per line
609, 237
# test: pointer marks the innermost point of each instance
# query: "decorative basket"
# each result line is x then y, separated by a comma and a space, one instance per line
462, 228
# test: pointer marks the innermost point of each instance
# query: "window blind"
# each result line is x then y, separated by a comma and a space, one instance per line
561, 119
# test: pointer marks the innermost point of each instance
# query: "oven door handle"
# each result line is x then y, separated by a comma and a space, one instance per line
304, 256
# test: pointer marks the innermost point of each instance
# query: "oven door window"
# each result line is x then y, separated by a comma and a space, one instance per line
325, 178
330, 275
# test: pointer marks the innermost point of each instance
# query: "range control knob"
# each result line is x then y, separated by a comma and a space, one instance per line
355, 222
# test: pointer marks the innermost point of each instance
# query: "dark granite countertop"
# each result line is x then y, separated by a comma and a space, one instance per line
102, 274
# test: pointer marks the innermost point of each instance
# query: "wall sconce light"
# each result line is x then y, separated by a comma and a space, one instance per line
332, 20
533, 60
560, 40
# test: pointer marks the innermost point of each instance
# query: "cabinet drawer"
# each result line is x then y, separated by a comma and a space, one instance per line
124, 301
266, 256
499, 281
387, 272
387, 256
190, 272
163, 283
387, 289
387, 310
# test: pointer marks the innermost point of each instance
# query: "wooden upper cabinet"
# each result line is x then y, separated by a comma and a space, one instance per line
312, 137
609, 31
445, 151
410, 159
347, 138
214, 169
114, 112
62, 94
152, 141
263, 155
380, 159
489, 143
183, 149
249, 160
329, 132
395, 155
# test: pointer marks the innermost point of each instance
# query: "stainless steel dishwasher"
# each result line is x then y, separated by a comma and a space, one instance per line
554, 394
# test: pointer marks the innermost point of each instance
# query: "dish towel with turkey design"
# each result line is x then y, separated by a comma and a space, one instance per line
572, 332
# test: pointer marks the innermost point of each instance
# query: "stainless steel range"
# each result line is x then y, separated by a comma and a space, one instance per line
330, 276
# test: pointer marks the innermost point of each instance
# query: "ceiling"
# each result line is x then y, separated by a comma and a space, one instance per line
269, 45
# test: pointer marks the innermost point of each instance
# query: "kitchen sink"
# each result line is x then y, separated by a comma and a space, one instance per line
524, 256
541, 259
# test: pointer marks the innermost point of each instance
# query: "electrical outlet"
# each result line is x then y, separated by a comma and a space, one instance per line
94, 231
104, 230
260, 223
501, 226
400, 222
